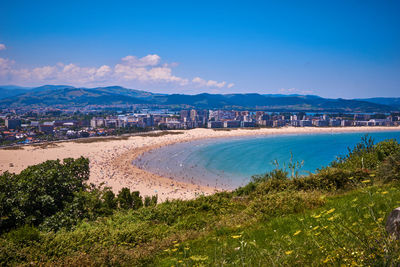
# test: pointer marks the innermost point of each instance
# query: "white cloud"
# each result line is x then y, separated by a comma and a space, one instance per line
210, 83
5, 66
149, 60
144, 70
230, 85
2, 47
295, 91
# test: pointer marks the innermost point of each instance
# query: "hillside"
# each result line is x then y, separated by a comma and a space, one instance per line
335, 216
389, 101
60, 95
70, 96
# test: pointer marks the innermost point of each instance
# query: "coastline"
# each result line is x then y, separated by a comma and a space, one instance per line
111, 160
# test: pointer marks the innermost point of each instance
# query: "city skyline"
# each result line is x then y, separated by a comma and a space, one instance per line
224, 47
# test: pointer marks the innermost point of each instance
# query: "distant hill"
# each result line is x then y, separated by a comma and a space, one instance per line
390, 101
51, 95
274, 102
9, 91
71, 96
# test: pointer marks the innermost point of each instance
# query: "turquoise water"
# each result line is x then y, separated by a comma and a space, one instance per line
229, 163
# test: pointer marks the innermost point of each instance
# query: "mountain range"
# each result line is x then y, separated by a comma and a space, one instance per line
63, 95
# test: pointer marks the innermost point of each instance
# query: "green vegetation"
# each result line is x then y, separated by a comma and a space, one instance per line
335, 216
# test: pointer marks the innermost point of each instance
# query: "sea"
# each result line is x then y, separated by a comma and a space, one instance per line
231, 162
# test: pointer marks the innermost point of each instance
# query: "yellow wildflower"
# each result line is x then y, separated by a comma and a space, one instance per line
199, 258
297, 232
316, 227
236, 236
289, 252
384, 193
331, 218
173, 250
330, 211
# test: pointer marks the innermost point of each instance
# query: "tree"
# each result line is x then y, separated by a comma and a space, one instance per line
40, 191
137, 200
147, 201
125, 199
109, 200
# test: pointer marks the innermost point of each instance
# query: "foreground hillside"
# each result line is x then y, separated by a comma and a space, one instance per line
336, 216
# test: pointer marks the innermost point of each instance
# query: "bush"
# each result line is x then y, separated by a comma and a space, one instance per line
366, 155
40, 191
389, 170
24, 235
283, 203
125, 199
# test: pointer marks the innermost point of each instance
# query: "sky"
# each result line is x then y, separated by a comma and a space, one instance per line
336, 49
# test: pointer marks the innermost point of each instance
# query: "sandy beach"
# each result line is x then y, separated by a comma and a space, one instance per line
110, 159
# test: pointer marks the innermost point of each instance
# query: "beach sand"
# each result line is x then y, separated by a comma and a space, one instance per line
111, 160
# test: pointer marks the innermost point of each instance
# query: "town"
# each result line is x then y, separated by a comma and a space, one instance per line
49, 124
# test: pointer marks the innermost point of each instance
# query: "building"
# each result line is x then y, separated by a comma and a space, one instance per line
321, 123
172, 124
185, 115
232, 124
247, 124
295, 123
219, 115
361, 117
215, 124
345, 123
305, 123
46, 128
13, 124
266, 123
278, 123
97, 122
335, 123
193, 115
34, 124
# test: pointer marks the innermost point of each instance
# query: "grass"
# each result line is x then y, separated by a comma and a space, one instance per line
162, 133
17, 147
344, 228
99, 139
124, 137
348, 229
45, 145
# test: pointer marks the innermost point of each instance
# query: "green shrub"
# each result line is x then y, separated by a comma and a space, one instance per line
40, 191
24, 235
110, 202
125, 199
283, 203
389, 170
137, 200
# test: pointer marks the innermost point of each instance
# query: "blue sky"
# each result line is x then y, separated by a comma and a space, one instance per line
333, 49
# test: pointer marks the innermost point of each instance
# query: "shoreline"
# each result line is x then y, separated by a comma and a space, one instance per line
111, 160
